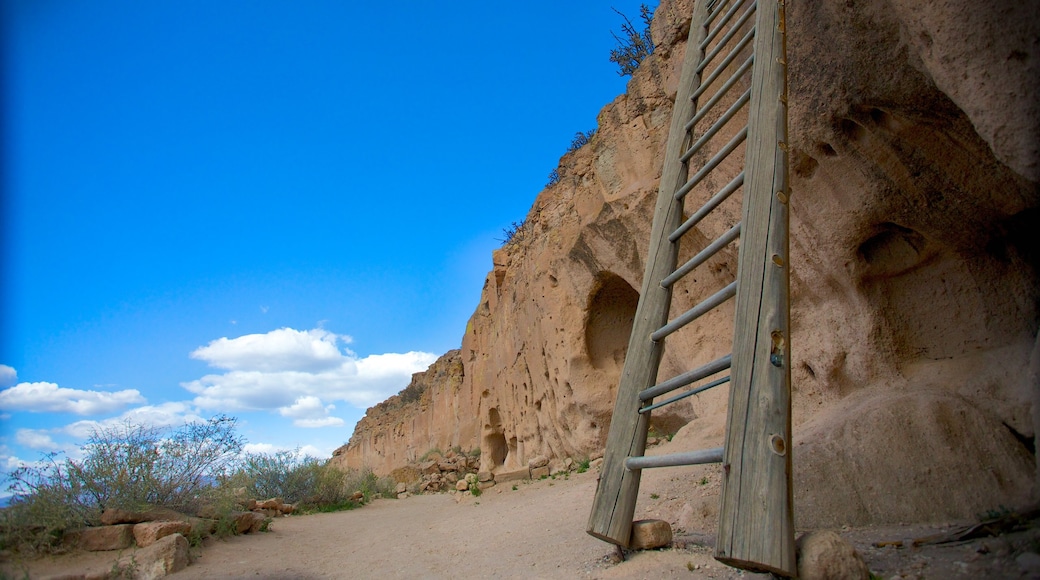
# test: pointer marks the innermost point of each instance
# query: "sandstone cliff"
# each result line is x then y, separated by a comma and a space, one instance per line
915, 291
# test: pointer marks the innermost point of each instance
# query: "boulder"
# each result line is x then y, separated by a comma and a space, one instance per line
147, 533
402, 487
202, 527
257, 523
461, 485
538, 461
270, 504
429, 467
540, 472
824, 555
650, 534
515, 475
244, 521
112, 516
485, 476
287, 508
166, 556
357, 496
116, 537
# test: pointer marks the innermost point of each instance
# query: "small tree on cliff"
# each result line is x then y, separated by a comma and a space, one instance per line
633, 45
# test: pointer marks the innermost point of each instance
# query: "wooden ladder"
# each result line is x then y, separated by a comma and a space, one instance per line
728, 40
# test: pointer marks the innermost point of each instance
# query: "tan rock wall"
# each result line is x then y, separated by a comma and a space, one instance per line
915, 212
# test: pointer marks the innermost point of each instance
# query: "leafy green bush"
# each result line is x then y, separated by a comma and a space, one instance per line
633, 45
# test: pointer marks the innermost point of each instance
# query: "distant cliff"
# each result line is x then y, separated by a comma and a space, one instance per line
916, 273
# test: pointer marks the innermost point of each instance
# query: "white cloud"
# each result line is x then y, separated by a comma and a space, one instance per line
36, 439
284, 349
8, 376
46, 397
309, 412
270, 449
298, 373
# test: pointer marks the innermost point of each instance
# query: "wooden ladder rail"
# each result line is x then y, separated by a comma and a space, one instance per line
756, 529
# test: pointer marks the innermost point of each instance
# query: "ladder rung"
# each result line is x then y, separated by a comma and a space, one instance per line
719, 123
696, 312
682, 396
713, 163
706, 208
686, 378
718, 96
728, 36
715, 31
673, 459
702, 256
715, 74
714, 8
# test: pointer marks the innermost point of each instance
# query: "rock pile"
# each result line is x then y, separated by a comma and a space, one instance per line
442, 473
160, 535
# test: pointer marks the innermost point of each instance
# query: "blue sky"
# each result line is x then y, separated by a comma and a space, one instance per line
274, 210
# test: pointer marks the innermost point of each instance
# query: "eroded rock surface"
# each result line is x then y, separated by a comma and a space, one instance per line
915, 214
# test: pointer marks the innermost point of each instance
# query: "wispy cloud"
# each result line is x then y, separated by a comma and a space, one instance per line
299, 374
36, 439
46, 397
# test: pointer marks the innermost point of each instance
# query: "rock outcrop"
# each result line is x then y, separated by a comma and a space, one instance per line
915, 273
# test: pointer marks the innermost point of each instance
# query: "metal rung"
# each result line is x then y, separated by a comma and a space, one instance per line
729, 36
687, 378
719, 123
714, 8
715, 31
696, 312
721, 93
690, 393
715, 74
706, 208
702, 256
674, 459
713, 163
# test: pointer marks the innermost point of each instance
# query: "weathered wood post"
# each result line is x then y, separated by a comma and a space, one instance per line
756, 521
615, 501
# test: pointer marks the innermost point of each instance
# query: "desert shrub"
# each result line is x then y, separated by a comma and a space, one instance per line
633, 45
134, 466
514, 233
580, 139
312, 484
554, 178
285, 474
368, 483
128, 466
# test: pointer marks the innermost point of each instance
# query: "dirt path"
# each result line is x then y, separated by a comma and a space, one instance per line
538, 531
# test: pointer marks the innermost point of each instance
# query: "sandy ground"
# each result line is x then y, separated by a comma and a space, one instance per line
538, 531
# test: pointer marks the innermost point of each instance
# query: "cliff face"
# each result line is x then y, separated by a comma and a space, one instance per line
915, 208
